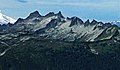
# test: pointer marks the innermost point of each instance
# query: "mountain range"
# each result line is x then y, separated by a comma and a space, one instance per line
52, 41
116, 23
56, 26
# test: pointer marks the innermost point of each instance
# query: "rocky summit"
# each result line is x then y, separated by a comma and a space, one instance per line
54, 42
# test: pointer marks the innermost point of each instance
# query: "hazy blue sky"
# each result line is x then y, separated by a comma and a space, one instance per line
104, 10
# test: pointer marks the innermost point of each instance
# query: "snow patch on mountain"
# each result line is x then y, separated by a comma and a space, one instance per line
5, 19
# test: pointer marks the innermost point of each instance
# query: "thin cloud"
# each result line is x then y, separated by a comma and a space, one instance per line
22, 1
81, 4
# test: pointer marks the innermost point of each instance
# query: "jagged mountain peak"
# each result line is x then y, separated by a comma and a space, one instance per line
75, 21
107, 25
68, 18
32, 18
50, 14
59, 14
87, 22
19, 20
94, 21
33, 14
